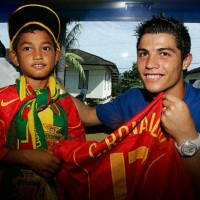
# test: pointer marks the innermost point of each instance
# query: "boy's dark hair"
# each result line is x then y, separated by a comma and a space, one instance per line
162, 24
30, 29
2, 50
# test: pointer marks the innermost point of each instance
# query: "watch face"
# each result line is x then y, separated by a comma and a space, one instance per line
188, 149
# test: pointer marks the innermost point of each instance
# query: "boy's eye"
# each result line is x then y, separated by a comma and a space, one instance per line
27, 48
46, 48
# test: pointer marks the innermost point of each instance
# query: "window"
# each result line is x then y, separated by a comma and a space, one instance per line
108, 81
83, 83
105, 80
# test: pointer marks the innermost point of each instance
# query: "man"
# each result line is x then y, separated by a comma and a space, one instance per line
163, 53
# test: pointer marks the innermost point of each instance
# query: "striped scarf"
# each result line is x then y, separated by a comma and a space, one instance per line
39, 122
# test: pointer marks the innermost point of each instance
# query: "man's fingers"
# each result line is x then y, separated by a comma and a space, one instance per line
170, 98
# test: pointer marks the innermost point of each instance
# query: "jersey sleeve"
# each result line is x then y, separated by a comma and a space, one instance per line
3, 147
76, 130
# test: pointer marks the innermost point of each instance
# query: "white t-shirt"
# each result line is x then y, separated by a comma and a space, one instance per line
8, 74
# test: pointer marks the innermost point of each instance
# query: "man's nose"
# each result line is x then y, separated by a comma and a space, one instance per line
152, 62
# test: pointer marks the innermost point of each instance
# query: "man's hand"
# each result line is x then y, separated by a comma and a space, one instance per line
176, 119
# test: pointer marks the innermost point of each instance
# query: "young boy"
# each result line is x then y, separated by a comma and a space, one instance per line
35, 113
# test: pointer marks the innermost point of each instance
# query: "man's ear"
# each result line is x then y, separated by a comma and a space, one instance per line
187, 61
13, 58
58, 55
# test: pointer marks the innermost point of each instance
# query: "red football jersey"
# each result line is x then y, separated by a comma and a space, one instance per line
136, 161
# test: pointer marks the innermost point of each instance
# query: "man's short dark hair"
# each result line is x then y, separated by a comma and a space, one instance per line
162, 24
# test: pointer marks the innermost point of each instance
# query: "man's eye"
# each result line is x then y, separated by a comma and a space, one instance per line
164, 54
142, 54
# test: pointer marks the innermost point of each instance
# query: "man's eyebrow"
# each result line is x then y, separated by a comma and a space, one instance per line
166, 48
142, 49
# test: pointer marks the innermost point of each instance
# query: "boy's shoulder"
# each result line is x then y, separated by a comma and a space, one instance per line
8, 91
65, 99
9, 98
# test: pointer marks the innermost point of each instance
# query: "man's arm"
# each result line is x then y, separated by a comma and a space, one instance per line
87, 114
192, 166
177, 121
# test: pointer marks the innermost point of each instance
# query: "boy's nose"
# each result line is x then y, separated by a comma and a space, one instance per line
38, 56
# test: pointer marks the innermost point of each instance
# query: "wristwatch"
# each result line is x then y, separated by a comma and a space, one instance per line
189, 147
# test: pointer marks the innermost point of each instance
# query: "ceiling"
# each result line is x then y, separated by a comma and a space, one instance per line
111, 10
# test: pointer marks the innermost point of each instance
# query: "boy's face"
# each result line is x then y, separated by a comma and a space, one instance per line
35, 55
160, 65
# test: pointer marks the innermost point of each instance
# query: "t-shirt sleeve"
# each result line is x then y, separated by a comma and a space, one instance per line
109, 114
122, 108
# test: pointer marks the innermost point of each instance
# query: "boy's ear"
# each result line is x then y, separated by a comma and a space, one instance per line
58, 55
13, 58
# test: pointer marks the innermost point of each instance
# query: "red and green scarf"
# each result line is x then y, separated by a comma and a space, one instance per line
39, 122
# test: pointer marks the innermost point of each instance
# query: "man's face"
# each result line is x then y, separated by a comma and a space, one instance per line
159, 63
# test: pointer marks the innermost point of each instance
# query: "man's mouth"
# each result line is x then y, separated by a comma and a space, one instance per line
153, 76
